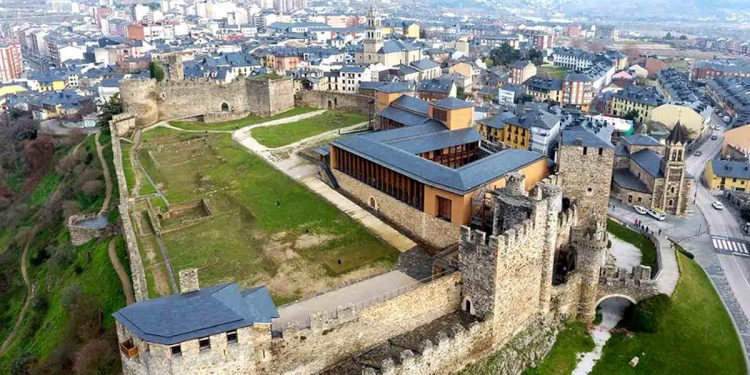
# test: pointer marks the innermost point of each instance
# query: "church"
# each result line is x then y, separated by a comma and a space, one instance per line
389, 52
650, 174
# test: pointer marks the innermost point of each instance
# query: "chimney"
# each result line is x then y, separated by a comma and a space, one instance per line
189, 280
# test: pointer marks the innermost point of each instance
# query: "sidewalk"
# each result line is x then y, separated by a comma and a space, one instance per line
358, 293
669, 273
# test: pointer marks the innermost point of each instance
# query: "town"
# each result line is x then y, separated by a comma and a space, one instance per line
374, 187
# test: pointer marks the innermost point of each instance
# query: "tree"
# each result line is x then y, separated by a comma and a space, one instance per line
112, 107
157, 72
683, 37
631, 115
669, 36
504, 55
536, 56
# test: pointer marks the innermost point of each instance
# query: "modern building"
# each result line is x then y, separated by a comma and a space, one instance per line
11, 62
427, 171
653, 175
535, 130
437, 88
732, 94
520, 71
717, 68
736, 143
640, 99
544, 89
348, 78
727, 175
670, 115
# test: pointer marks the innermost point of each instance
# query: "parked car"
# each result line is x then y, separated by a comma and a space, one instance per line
640, 209
657, 215
727, 119
717, 127
718, 205
698, 153
714, 137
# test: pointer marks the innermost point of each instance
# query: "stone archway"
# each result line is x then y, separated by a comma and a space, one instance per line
468, 306
224, 107
616, 295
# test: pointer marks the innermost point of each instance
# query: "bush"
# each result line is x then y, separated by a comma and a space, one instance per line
646, 315
22, 364
39, 257
40, 303
92, 188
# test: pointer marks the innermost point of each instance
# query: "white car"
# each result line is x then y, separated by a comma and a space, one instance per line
717, 127
640, 209
657, 215
718, 205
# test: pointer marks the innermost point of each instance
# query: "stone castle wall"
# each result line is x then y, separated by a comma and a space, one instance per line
308, 351
137, 271
359, 103
79, 235
152, 101
587, 178
428, 229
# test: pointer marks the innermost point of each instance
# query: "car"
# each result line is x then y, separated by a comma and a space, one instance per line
698, 153
640, 209
717, 127
714, 137
656, 215
718, 205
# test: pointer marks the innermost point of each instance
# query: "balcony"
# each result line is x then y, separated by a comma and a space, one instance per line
128, 349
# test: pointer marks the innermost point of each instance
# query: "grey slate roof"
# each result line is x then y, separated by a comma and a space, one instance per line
425, 64
452, 103
641, 94
623, 178
731, 168
679, 134
402, 116
441, 85
588, 138
394, 150
497, 121
187, 316
534, 119
649, 160
641, 140
412, 104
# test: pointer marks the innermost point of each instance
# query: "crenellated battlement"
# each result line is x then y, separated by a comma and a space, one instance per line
613, 275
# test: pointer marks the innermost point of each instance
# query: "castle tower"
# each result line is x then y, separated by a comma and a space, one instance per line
585, 165
670, 196
507, 275
590, 241
173, 68
373, 41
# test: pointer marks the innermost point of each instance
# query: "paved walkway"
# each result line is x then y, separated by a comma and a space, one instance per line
363, 293
377, 226
669, 272
286, 160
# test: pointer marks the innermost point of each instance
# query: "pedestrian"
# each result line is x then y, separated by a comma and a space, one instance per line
660, 231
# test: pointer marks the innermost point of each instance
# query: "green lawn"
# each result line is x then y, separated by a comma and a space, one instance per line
236, 124
639, 240
551, 71
293, 246
282, 135
573, 339
695, 335
44, 189
127, 168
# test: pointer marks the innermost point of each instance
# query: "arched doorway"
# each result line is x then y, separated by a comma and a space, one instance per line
330, 104
224, 107
610, 309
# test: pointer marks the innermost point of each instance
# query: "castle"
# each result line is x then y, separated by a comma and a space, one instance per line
498, 286
175, 97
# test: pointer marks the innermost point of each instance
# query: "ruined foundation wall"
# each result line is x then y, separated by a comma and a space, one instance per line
332, 100
309, 351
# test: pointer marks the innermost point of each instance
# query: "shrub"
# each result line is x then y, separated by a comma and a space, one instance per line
39, 257
646, 315
40, 303
22, 364
92, 188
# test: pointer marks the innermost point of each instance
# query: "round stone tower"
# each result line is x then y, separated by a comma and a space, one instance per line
590, 243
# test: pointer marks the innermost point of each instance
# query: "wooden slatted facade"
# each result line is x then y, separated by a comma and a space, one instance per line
454, 157
398, 186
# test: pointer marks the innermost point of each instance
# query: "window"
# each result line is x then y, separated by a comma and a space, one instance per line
176, 350
232, 337
444, 208
204, 343
585, 150
440, 115
601, 151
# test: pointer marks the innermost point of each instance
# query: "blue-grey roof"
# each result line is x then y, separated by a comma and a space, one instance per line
352, 69
407, 118
588, 138
391, 46
649, 160
641, 140
412, 104
452, 103
731, 168
441, 85
187, 316
624, 179
393, 87
497, 121
535, 119
394, 150
425, 64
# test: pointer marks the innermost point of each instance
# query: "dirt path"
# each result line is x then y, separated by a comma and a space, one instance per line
107, 177
29, 296
127, 288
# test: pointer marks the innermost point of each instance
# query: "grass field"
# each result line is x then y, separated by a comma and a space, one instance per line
236, 124
639, 240
265, 227
282, 135
695, 335
551, 71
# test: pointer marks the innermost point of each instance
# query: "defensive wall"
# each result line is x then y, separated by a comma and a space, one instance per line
80, 233
152, 101
358, 103
119, 126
